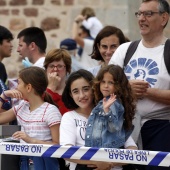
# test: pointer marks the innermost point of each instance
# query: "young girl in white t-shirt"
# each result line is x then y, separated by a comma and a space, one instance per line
36, 113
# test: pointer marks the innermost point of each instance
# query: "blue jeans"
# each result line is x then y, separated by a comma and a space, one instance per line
39, 163
45, 163
155, 137
24, 162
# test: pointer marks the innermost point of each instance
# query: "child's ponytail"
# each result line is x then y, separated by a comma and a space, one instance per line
47, 98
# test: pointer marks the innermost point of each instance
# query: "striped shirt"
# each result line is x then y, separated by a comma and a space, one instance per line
37, 123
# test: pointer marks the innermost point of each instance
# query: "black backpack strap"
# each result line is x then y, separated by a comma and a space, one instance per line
133, 46
130, 51
167, 55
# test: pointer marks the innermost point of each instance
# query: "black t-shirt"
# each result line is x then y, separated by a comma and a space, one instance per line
3, 74
3, 87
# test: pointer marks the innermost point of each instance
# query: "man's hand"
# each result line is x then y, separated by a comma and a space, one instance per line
139, 88
79, 18
101, 166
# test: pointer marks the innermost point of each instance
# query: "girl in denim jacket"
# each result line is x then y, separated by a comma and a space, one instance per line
110, 123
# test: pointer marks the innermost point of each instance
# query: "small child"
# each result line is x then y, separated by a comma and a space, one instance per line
110, 123
91, 22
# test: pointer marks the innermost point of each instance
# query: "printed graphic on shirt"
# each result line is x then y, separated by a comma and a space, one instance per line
142, 69
82, 127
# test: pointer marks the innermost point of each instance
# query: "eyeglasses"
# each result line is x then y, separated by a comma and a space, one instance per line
146, 13
59, 67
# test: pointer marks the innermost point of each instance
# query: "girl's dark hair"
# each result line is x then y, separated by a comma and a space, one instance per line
36, 35
85, 30
106, 32
123, 91
66, 97
36, 76
5, 34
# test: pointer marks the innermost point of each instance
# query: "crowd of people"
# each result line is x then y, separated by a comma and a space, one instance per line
98, 89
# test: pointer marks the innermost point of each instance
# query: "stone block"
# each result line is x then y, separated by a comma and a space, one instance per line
50, 23
38, 2
18, 2
15, 11
68, 2
31, 12
56, 2
17, 24
2, 2
91, 3
4, 12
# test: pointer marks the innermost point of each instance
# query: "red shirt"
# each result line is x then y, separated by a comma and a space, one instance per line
58, 100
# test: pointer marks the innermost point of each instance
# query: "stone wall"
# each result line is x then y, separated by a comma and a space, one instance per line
55, 17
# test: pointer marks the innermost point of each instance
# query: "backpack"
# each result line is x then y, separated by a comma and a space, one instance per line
133, 46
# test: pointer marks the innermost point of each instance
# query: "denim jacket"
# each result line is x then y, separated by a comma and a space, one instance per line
106, 130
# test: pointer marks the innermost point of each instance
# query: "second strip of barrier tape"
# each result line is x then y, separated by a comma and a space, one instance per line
86, 153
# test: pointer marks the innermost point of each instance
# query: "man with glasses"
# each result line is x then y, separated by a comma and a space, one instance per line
153, 90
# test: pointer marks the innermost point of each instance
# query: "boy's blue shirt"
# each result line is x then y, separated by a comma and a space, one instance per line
106, 130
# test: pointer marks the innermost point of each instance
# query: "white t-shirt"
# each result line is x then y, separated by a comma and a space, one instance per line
86, 60
146, 64
40, 62
95, 70
93, 25
72, 132
75, 64
37, 123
